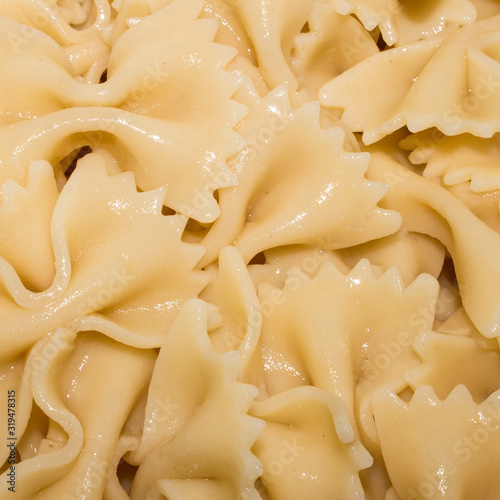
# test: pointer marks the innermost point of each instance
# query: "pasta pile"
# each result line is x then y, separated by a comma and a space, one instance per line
250, 249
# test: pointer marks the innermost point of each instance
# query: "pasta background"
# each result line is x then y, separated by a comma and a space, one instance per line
249, 249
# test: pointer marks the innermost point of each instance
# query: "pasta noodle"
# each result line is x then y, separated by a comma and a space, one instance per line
249, 250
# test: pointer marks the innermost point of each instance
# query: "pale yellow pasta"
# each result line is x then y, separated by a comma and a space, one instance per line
403, 22
249, 249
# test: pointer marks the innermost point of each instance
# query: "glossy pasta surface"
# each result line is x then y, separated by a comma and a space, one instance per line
249, 249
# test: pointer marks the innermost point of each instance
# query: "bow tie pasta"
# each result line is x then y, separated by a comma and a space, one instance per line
249, 249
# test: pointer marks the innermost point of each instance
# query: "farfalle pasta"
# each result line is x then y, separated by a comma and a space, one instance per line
249, 250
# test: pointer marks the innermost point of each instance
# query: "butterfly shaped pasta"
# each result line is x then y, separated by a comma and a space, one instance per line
308, 446
285, 144
440, 449
84, 424
178, 458
450, 82
119, 285
405, 22
346, 334
165, 110
430, 209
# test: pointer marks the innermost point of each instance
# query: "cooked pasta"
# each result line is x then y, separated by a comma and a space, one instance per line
249, 249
